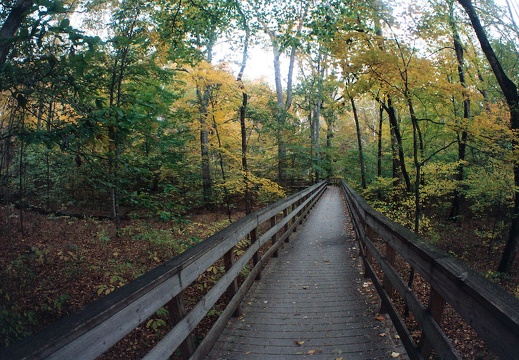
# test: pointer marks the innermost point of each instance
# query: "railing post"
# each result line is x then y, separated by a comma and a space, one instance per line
390, 256
301, 211
177, 311
255, 257
435, 308
274, 237
363, 249
294, 219
285, 228
233, 288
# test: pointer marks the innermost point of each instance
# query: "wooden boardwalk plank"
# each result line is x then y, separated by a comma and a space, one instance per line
312, 300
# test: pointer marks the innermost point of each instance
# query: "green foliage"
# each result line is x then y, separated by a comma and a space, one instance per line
103, 236
211, 276
56, 305
88, 123
389, 197
439, 179
74, 260
115, 281
163, 244
489, 186
159, 320
14, 322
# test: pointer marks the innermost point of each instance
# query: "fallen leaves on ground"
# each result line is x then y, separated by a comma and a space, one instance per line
380, 317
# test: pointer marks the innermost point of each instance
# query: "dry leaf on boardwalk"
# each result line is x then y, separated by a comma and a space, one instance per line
380, 317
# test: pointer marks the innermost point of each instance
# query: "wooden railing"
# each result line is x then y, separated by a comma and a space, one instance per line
487, 308
95, 329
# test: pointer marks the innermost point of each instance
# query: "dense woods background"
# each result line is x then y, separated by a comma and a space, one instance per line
117, 109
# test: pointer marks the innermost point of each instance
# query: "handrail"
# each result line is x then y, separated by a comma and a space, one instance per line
488, 309
95, 329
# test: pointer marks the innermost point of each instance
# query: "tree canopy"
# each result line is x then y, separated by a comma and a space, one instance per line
120, 105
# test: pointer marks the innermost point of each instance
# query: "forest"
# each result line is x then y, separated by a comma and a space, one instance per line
145, 126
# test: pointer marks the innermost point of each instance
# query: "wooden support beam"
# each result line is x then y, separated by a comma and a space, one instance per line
435, 308
177, 311
256, 256
233, 288
274, 238
388, 287
285, 228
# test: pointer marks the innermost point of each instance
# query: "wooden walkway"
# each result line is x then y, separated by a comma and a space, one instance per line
312, 301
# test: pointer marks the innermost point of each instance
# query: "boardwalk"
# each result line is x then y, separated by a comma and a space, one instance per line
312, 301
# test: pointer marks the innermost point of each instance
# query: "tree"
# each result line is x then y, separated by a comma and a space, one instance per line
462, 136
243, 107
19, 11
509, 89
283, 26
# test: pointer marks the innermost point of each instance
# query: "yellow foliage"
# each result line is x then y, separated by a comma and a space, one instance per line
440, 179
264, 190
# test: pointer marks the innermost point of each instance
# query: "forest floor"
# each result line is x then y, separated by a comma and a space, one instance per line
51, 266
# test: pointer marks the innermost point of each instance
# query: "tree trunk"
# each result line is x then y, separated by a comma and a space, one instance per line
509, 89
317, 117
329, 159
417, 164
21, 171
11, 25
359, 142
330, 119
207, 182
393, 121
7, 158
462, 137
243, 114
118, 76
281, 115
316, 129
283, 106
47, 154
379, 142
418, 149
245, 167
222, 169
395, 163
203, 96
293, 52
288, 102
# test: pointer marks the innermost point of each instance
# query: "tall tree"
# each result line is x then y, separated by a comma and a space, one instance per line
125, 37
19, 10
462, 135
509, 89
243, 20
282, 23
359, 142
